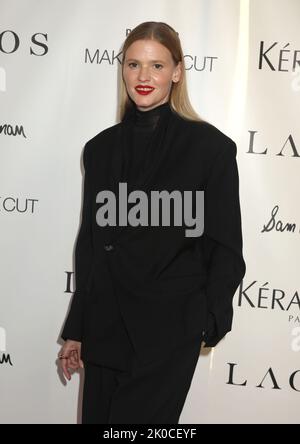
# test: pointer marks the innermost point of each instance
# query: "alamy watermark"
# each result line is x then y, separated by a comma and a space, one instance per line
138, 214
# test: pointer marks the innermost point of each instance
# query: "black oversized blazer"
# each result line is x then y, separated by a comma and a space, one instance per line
166, 284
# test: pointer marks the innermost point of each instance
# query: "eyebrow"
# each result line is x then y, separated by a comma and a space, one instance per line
151, 61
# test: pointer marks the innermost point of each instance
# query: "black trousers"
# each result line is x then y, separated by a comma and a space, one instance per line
150, 394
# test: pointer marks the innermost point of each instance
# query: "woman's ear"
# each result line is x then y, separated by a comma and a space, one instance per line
177, 72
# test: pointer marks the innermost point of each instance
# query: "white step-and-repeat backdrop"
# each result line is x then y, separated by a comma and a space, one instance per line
59, 78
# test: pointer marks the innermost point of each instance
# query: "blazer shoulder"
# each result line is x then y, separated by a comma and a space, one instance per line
101, 139
216, 138
104, 134
214, 142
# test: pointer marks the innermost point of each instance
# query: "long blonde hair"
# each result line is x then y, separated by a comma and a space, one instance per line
167, 36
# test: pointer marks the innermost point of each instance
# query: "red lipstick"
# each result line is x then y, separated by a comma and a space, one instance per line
144, 90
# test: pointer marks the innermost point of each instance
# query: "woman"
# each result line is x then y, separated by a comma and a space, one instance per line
147, 294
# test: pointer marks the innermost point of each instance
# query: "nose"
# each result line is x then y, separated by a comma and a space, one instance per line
144, 74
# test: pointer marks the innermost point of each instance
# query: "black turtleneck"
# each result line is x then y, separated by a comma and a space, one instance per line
143, 119
139, 157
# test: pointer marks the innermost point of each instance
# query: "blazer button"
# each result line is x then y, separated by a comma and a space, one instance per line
108, 247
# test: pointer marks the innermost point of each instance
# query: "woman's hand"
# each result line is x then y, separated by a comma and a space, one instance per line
70, 357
